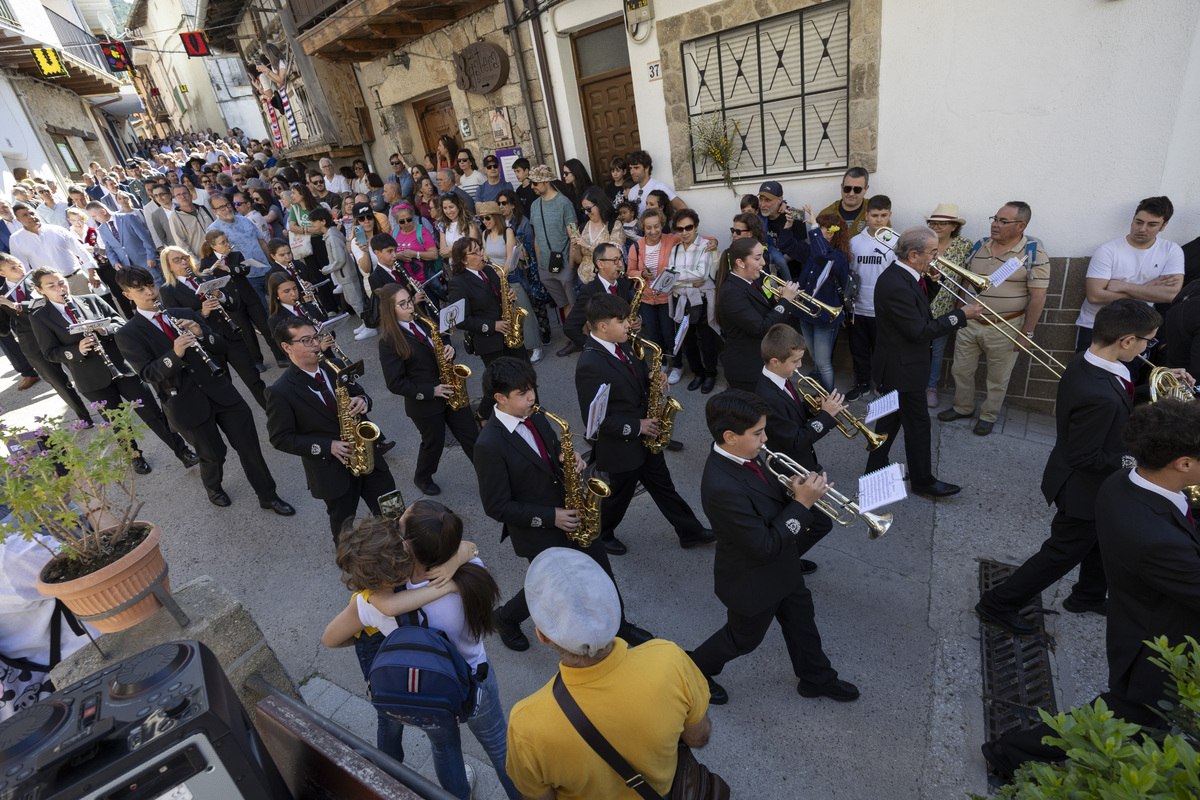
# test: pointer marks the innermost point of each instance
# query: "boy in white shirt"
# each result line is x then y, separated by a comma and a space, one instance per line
870, 260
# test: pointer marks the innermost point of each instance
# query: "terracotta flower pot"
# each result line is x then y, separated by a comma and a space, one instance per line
110, 586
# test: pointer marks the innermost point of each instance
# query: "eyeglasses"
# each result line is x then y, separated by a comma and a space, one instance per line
615, 258
852, 190
220, 207
405, 303
939, 223
1150, 342
739, 231
684, 228
307, 341
999, 221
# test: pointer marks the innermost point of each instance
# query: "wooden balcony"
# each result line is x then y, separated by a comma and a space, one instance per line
363, 30
89, 75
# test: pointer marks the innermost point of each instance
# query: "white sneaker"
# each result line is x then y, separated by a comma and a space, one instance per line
470, 780
367, 334
337, 289
535, 356
360, 329
676, 374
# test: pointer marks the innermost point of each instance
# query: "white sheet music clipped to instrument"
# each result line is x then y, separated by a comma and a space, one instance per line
880, 488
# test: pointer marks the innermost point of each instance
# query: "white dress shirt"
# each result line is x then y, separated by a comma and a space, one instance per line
1115, 367
1177, 498
53, 247
516, 425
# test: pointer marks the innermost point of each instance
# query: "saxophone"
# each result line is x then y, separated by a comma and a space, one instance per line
578, 494
453, 375
636, 302
360, 434
510, 312
659, 406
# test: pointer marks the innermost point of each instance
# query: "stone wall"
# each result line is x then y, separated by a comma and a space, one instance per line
391, 90
50, 105
865, 23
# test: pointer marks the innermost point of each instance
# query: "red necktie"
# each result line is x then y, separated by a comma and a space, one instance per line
612, 289
488, 281
396, 276
625, 360
71, 315
1128, 386
113, 227
792, 389
924, 286
322, 387
192, 284
1189, 516
537, 438
416, 331
750, 465
167, 329
20, 295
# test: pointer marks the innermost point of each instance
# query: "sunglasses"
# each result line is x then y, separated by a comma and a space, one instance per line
359, 169
486, 165
588, 209
394, 163
239, 205
464, 161
684, 228
503, 203
852, 190
404, 220
739, 231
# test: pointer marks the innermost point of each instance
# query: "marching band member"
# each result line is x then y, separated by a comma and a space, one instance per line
610, 263
218, 256
471, 279
201, 404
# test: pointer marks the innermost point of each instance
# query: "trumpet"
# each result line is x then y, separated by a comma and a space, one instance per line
805, 302
849, 425
964, 285
213, 367
834, 505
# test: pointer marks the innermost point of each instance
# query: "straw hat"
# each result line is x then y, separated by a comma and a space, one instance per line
946, 212
542, 174
486, 208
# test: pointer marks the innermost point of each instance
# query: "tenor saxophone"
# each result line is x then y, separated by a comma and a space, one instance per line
578, 494
659, 406
510, 312
359, 434
453, 375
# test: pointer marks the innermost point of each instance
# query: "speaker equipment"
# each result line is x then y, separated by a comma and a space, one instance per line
165, 724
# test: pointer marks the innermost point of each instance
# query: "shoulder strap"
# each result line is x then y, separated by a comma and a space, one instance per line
595, 740
1031, 246
971, 254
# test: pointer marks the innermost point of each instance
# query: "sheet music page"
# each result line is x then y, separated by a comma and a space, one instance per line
329, 323
880, 488
1006, 271
683, 329
888, 404
597, 411
452, 314
213, 285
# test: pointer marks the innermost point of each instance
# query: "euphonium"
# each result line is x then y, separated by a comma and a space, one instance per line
659, 407
835, 505
636, 302
359, 434
510, 312
578, 495
453, 375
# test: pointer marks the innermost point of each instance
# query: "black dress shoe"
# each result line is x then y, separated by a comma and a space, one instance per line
717, 696
675, 446
1076, 607
188, 458
614, 546
983, 427
709, 384
695, 540
994, 756
278, 506
219, 498
842, 691
140, 465
633, 634
807, 567
429, 487
937, 489
261, 367
1011, 621
570, 348
695, 383
510, 634
384, 445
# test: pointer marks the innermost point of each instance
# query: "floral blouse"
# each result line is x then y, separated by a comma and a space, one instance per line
945, 302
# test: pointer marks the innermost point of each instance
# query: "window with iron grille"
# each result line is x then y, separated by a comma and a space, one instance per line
782, 86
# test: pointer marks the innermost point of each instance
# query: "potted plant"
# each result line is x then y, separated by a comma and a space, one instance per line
73, 491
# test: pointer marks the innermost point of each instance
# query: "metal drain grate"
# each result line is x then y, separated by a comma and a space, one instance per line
1016, 669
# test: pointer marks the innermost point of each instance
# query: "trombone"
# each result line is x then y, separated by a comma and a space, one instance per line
847, 423
834, 505
965, 286
805, 302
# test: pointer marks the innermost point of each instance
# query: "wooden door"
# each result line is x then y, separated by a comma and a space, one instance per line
611, 114
435, 115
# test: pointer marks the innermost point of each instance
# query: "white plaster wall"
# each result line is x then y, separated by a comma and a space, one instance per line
1079, 107
19, 145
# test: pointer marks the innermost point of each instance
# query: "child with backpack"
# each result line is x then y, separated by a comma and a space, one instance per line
424, 590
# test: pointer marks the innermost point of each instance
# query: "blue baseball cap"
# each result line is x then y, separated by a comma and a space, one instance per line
772, 188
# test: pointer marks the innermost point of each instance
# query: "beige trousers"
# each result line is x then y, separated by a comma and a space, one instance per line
1000, 355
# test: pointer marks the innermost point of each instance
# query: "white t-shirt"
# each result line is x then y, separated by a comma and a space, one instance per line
870, 260
445, 614
471, 183
1121, 261
638, 194
337, 184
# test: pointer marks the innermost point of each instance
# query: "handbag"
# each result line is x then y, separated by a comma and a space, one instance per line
370, 312
556, 258
301, 245
693, 780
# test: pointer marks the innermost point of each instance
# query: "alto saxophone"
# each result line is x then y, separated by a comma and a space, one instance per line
453, 375
510, 312
578, 495
359, 434
659, 406
636, 302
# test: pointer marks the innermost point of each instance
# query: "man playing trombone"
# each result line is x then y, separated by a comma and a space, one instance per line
1018, 300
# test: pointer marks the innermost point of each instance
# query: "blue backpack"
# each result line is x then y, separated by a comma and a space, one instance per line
419, 678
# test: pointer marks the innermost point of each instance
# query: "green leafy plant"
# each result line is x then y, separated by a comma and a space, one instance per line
1111, 759
76, 478
714, 141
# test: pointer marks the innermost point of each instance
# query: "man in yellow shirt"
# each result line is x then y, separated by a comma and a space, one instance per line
642, 700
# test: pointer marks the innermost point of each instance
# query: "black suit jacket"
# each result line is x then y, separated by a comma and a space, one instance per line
904, 330
416, 377
746, 315
793, 429
757, 562
573, 327
517, 488
619, 445
483, 308
185, 386
1152, 562
310, 313
381, 276
21, 322
88, 372
180, 295
299, 422
1090, 412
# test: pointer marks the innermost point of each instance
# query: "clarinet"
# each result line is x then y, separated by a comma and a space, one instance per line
236, 329
307, 289
97, 345
337, 351
213, 367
